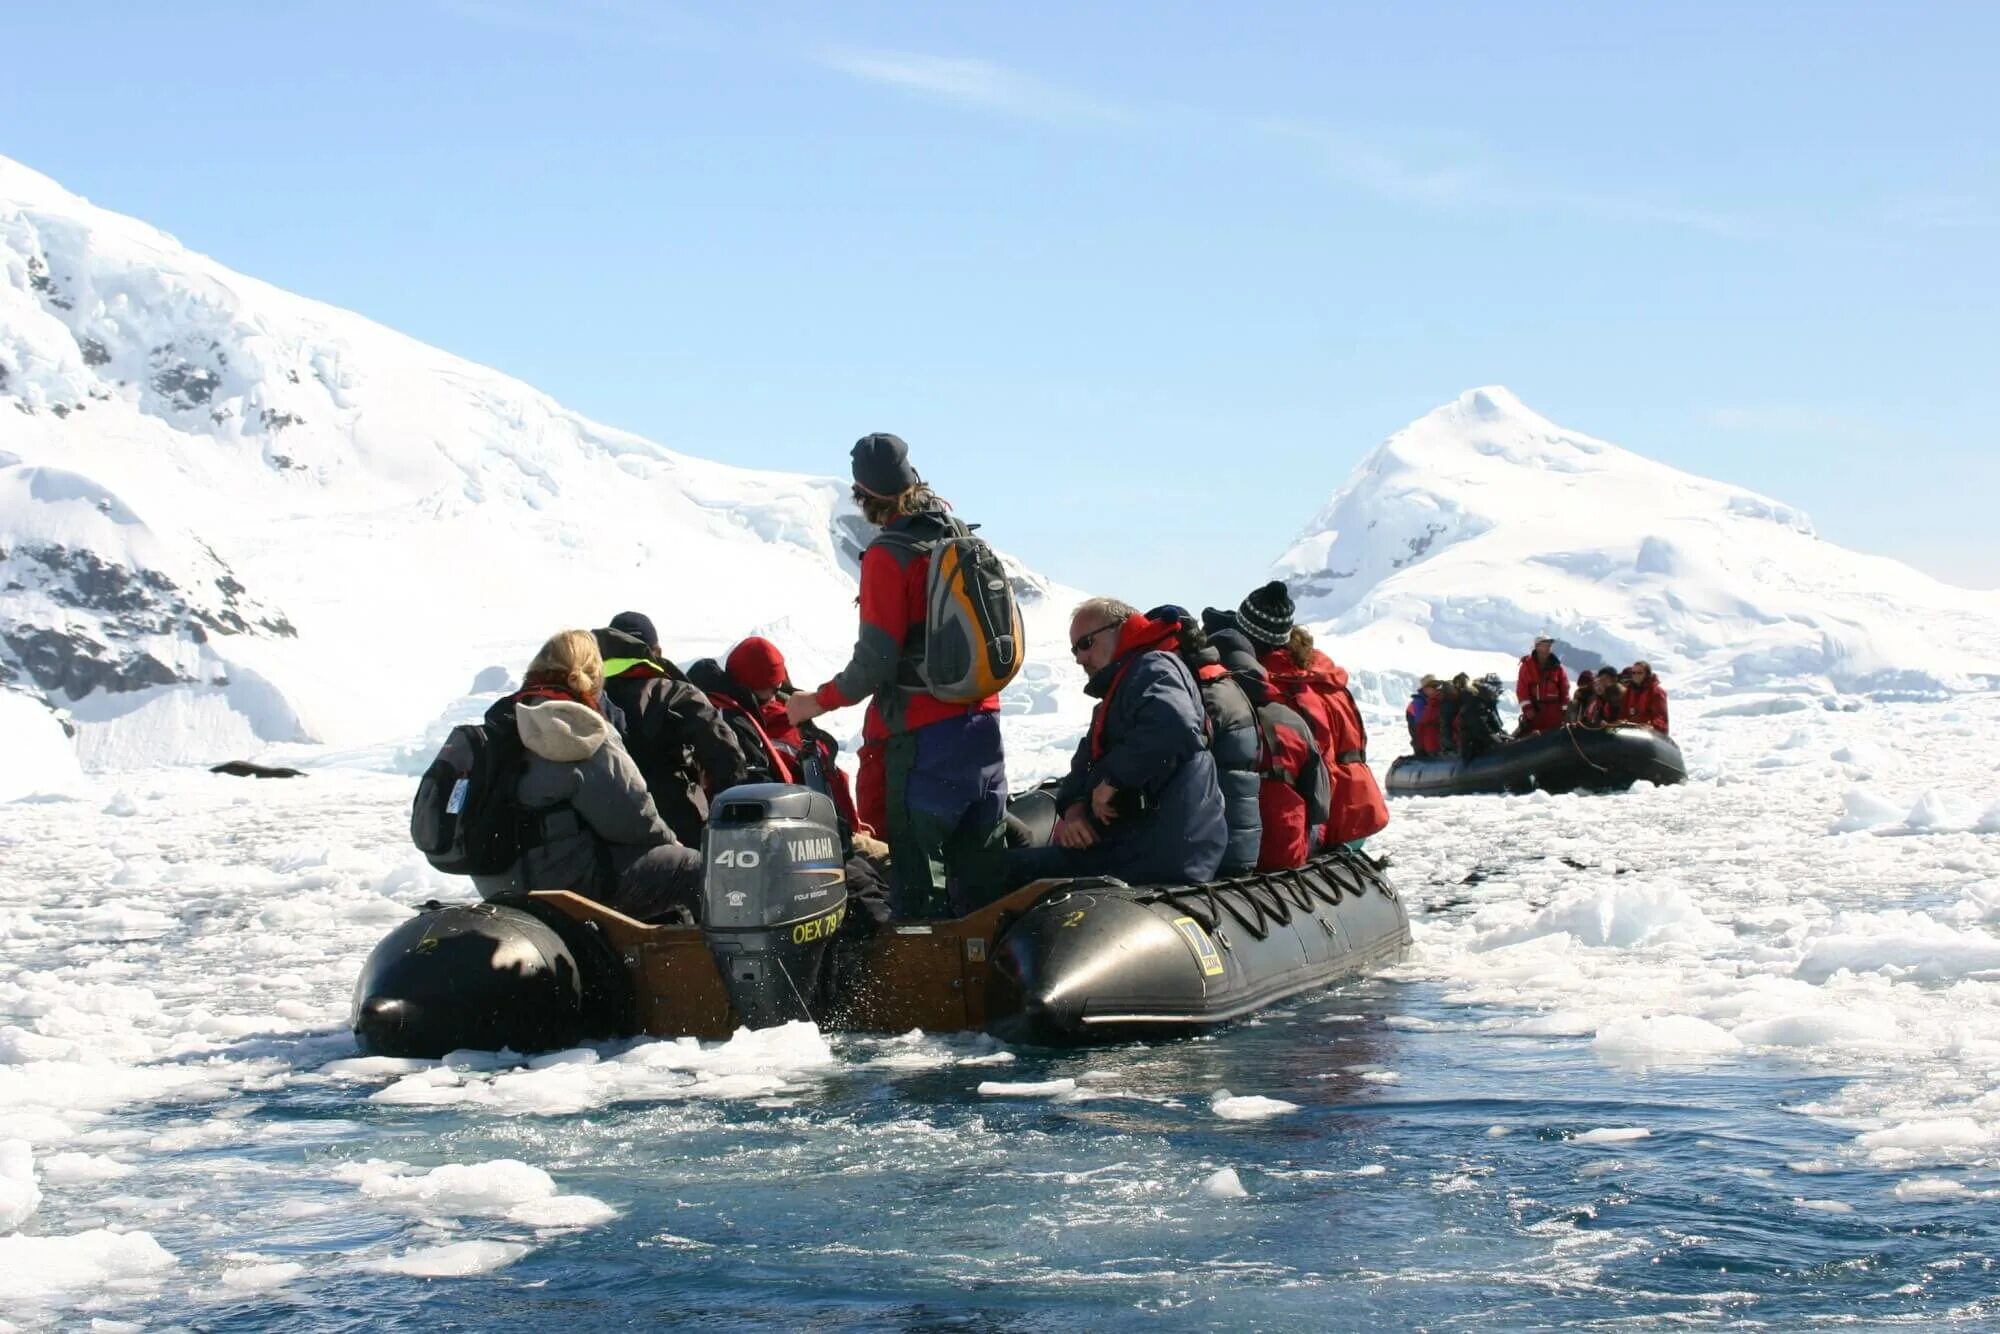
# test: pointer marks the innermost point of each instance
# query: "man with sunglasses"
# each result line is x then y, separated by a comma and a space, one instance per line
1141, 801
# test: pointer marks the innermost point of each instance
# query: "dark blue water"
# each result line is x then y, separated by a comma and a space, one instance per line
901, 1199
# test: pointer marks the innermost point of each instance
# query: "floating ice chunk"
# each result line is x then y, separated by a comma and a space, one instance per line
1611, 1135
1678, 1034
993, 1088
1865, 808
122, 803
464, 1188
19, 1195
1821, 1028
1824, 1206
68, 1169
1371, 1170
1929, 1188
1499, 1132
34, 1267
563, 1211
1224, 1184
458, 1259
1861, 755
1937, 1137
1943, 813
261, 1278
1616, 916
1989, 820
1249, 1107
1902, 944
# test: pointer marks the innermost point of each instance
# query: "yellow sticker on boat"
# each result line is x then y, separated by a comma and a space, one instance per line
1204, 948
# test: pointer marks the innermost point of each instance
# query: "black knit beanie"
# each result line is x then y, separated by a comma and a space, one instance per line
882, 465
1266, 615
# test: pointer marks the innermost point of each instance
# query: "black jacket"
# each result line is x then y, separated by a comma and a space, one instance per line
680, 743
1233, 740
1479, 725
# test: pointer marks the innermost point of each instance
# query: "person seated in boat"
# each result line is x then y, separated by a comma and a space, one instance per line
1140, 801
1586, 686
1423, 714
1479, 724
1232, 738
1645, 699
1316, 686
683, 748
749, 689
1607, 705
1542, 688
591, 826
1295, 788
1453, 697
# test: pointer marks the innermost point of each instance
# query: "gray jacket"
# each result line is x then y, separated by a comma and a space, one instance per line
600, 818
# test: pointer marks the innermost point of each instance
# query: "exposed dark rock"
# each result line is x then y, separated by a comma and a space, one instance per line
60, 409
273, 420
5, 375
94, 352
186, 384
60, 660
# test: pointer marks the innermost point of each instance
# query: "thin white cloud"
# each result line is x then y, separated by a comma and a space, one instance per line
971, 82
1444, 178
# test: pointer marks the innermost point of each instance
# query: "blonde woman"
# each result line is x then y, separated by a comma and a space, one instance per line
589, 825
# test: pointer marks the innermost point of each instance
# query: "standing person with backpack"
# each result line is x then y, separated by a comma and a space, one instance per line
682, 746
1316, 686
543, 795
940, 637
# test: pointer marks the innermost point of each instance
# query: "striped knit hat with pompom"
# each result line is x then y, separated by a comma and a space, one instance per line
1266, 615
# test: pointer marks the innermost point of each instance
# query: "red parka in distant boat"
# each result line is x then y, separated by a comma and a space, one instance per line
1647, 703
1543, 690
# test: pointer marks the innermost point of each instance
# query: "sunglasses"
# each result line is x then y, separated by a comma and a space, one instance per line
1082, 645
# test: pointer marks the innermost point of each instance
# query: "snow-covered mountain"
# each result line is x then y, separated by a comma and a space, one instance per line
231, 516
1483, 523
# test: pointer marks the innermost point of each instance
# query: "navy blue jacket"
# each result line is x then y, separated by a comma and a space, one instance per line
1154, 738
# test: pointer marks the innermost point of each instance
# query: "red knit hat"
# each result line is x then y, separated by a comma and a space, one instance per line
756, 664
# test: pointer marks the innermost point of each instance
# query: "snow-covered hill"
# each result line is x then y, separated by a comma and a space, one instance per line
1483, 523
230, 516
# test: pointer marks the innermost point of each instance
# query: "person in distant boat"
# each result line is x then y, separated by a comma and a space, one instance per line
590, 824
1295, 791
1542, 688
1479, 718
1586, 686
1423, 714
1316, 686
1140, 801
683, 748
1645, 699
933, 775
1453, 695
1607, 705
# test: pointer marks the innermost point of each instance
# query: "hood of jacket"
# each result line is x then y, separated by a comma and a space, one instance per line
561, 729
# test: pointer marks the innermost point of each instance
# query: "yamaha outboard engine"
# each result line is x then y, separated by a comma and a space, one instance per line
773, 897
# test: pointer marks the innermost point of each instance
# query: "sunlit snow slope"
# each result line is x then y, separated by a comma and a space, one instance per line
230, 516
1479, 525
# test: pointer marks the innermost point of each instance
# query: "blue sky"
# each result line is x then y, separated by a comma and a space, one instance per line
1140, 283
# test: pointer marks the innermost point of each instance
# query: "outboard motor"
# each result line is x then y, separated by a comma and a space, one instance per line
773, 897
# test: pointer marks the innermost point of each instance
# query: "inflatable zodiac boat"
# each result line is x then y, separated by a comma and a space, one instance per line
1059, 963
1569, 759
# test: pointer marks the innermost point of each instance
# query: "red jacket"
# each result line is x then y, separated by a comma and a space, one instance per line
1296, 796
1426, 719
892, 625
1543, 693
1647, 704
1319, 692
